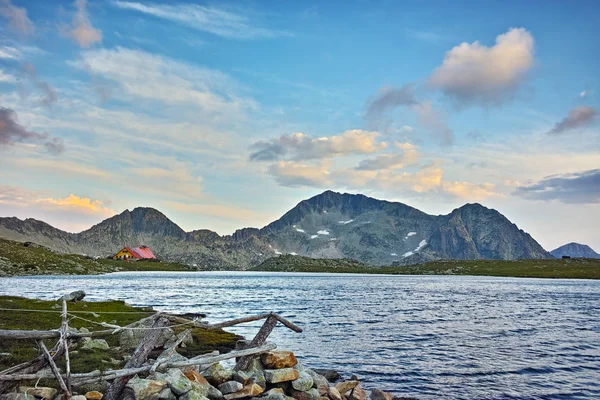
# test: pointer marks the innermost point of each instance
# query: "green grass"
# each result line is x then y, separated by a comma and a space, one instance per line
581, 268
17, 259
115, 312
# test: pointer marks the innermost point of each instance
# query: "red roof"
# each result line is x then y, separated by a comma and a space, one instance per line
141, 252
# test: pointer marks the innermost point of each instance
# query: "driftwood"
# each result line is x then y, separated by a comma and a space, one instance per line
55, 370
88, 377
259, 340
138, 358
64, 332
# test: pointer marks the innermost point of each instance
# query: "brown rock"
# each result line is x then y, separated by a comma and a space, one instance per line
43, 392
334, 394
279, 359
312, 394
358, 394
195, 377
346, 386
93, 395
377, 394
248, 391
281, 375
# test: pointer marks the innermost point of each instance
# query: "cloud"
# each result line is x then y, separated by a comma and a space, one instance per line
7, 78
49, 97
216, 21
10, 53
429, 118
477, 74
299, 146
220, 211
12, 132
409, 156
148, 76
78, 204
293, 174
578, 187
584, 93
470, 191
82, 31
17, 17
577, 118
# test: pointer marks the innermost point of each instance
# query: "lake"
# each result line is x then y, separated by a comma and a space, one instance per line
431, 337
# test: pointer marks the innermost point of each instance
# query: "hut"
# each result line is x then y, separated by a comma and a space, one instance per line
135, 253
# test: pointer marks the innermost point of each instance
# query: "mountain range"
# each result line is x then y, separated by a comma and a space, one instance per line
575, 250
329, 225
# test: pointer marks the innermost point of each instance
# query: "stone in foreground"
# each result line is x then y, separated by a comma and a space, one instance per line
250, 390
346, 386
281, 375
279, 359
146, 388
39, 392
230, 387
96, 344
377, 394
177, 381
312, 394
94, 395
303, 383
217, 375
334, 394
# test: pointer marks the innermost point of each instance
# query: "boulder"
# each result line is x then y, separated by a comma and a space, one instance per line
187, 339
217, 375
281, 375
77, 295
319, 381
130, 339
193, 394
78, 397
329, 374
278, 359
377, 394
250, 390
146, 389
358, 394
346, 386
230, 387
311, 394
334, 394
166, 394
242, 377
96, 344
303, 383
176, 381
46, 393
214, 393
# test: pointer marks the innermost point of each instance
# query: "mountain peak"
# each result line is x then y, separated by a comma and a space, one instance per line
575, 250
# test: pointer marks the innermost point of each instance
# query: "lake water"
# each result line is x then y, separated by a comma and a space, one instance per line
430, 337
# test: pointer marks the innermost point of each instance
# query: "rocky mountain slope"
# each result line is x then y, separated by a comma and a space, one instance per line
575, 250
329, 225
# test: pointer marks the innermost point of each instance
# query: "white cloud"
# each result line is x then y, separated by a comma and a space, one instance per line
474, 73
82, 32
299, 146
10, 53
7, 78
17, 17
408, 156
216, 21
152, 77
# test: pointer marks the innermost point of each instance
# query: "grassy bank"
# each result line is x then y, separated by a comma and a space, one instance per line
115, 312
18, 259
581, 268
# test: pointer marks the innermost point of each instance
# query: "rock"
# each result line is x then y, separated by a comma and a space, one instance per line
329, 374
16, 396
193, 394
217, 375
256, 371
281, 375
78, 397
39, 392
94, 395
200, 383
187, 339
77, 295
358, 394
274, 394
334, 394
346, 386
96, 344
250, 390
278, 359
84, 330
129, 339
166, 394
176, 381
319, 380
214, 393
146, 389
312, 394
303, 383
230, 387
377, 394
242, 377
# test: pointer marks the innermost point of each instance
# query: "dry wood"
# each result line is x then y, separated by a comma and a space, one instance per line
55, 370
148, 343
170, 351
259, 340
64, 331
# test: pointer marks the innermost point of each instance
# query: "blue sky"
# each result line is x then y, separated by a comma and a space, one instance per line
226, 114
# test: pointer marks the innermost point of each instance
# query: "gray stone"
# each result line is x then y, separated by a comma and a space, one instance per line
43, 392
187, 339
176, 381
193, 394
214, 393
242, 377
312, 394
130, 339
377, 394
96, 344
329, 374
303, 383
16, 396
217, 375
167, 394
230, 387
146, 389
78, 397
77, 295
281, 375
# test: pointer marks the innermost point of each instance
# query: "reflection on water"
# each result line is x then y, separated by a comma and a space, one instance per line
425, 336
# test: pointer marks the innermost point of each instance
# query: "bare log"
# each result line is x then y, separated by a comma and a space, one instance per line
170, 351
137, 359
55, 370
64, 332
259, 340
287, 323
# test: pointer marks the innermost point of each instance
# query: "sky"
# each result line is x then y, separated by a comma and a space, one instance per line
224, 115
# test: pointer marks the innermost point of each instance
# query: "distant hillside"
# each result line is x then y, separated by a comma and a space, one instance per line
330, 225
575, 250
289, 263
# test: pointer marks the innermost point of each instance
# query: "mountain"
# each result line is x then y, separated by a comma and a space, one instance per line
329, 225
575, 250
